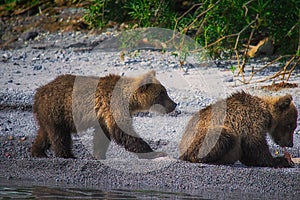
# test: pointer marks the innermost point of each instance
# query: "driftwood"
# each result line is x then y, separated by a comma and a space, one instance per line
265, 46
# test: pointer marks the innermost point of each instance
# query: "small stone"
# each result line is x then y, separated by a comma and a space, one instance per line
5, 57
30, 35
35, 59
37, 67
175, 113
10, 137
85, 59
229, 79
22, 139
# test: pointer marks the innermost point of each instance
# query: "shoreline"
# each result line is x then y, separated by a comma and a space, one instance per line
27, 68
179, 177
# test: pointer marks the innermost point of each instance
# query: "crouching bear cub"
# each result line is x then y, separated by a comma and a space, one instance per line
235, 129
70, 104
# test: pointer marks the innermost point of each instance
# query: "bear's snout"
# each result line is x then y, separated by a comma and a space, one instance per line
283, 143
290, 144
170, 106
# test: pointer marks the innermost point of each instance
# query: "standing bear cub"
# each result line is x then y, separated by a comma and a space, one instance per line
70, 104
235, 129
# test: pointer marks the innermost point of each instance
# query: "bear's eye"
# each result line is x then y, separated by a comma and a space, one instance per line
162, 93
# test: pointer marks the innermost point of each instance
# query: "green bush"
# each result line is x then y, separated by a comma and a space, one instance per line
100, 12
216, 22
276, 18
145, 13
150, 13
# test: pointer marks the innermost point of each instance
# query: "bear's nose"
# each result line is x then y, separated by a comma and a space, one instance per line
175, 104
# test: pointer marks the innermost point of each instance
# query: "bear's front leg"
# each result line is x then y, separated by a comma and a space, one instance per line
41, 144
61, 141
256, 153
133, 143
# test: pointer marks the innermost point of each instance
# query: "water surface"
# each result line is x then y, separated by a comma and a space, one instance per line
56, 192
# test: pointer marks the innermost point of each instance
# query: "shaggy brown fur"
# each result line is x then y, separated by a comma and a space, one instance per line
71, 104
235, 129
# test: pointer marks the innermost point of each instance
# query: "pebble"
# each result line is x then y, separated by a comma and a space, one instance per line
228, 79
6, 56
30, 35
37, 67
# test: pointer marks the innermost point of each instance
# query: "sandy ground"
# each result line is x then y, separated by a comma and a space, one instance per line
37, 62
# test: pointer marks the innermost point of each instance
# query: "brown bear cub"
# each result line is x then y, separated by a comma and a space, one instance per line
70, 104
235, 129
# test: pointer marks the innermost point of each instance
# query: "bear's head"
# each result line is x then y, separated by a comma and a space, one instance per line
284, 120
152, 94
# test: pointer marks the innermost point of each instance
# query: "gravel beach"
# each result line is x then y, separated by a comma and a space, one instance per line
193, 86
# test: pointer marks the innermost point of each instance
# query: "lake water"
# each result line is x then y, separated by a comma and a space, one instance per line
46, 191
56, 192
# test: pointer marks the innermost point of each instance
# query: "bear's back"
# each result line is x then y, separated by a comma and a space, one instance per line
56, 100
247, 114
55, 93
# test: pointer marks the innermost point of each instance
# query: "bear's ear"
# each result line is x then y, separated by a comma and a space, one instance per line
146, 80
151, 74
284, 102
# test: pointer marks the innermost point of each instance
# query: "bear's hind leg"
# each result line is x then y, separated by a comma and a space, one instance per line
214, 148
225, 150
61, 142
41, 144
